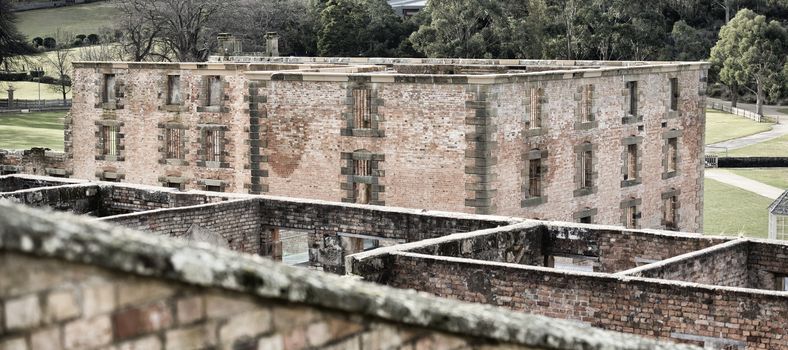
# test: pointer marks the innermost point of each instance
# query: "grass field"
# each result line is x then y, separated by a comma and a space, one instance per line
25, 90
78, 19
783, 110
730, 211
721, 126
26, 130
777, 177
773, 148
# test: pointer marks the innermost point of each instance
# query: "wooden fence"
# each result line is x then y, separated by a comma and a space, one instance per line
737, 111
35, 104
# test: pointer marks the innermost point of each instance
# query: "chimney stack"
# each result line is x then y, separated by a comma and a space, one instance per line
272, 44
228, 44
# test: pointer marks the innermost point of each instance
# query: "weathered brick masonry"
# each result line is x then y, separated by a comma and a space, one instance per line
72, 284
702, 309
457, 135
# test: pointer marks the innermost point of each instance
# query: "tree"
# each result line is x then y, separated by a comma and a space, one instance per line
460, 28
752, 51
59, 61
12, 42
359, 28
689, 44
187, 27
295, 21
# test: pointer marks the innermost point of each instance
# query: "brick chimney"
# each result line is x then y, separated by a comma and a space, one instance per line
272, 44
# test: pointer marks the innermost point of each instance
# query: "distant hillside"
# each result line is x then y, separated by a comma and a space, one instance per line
77, 19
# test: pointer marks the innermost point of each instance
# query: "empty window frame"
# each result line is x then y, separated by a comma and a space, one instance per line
674, 94
109, 136
586, 169
214, 91
672, 154
108, 90
632, 216
781, 283
212, 145
632, 86
534, 178
362, 108
174, 90
362, 191
587, 103
173, 143
669, 215
632, 162
535, 110
213, 188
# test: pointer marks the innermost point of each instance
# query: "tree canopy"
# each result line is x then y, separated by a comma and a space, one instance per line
12, 42
751, 53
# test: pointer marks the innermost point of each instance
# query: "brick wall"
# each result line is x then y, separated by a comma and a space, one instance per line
35, 161
765, 262
723, 266
10, 183
78, 199
660, 310
444, 142
71, 283
561, 133
72, 306
518, 246
236, 222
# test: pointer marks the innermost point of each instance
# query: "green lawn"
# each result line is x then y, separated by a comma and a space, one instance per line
26, 90
26, 130
783, 110
777, 177
773, 148
729, 211
78, 19
722, 126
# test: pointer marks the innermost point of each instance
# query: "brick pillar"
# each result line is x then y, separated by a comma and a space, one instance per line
10, 96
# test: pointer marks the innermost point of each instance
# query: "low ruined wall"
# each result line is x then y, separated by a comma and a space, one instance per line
620, 249
74, 306
35, 161
237, 223
665, 310
10, 183
73, 284
725, 265
519, 246
766, 262
78, 199
137, 198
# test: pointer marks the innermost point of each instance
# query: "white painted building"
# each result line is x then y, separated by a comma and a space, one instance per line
778, 218
407, 8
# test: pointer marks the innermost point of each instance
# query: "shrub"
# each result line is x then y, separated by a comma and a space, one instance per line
50, 42
38, 41
13, 76
93, 39
81, 37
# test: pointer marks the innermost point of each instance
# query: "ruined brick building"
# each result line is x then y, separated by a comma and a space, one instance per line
594, 142
78, 277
